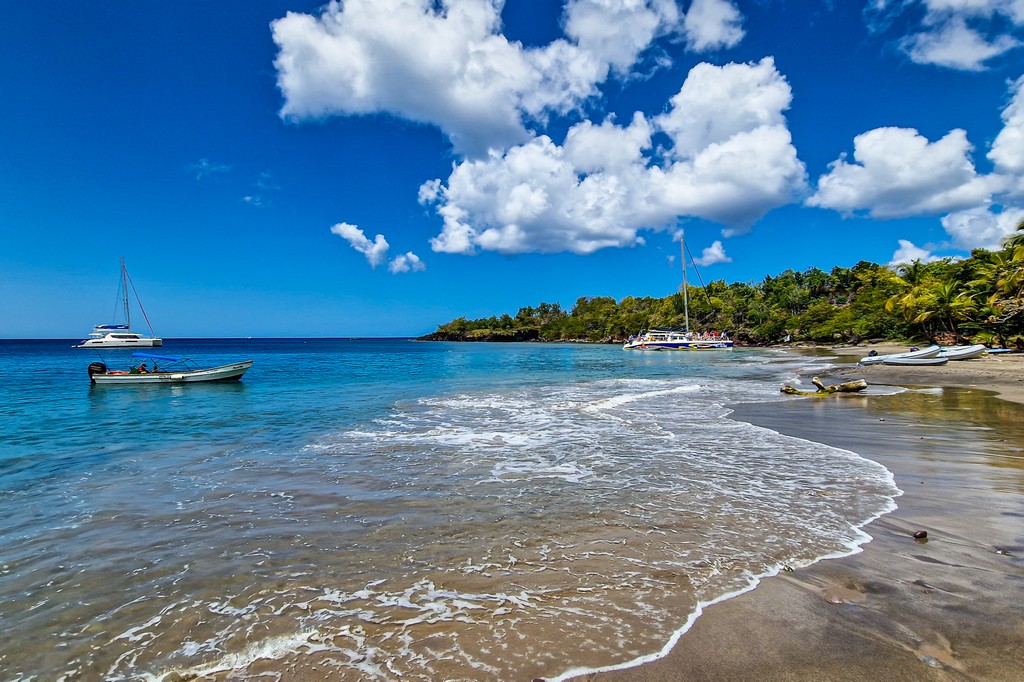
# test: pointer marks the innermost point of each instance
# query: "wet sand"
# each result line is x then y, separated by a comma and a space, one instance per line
949, 608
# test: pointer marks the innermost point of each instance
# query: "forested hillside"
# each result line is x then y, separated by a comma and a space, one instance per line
977, 299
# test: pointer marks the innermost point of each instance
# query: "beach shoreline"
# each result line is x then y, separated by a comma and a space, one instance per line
945, 608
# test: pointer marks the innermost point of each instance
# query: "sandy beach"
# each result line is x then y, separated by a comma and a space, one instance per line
945, 608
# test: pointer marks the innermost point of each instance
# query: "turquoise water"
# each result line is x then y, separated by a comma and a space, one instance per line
389, 509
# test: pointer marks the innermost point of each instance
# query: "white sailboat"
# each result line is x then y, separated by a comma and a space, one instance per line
679, 339
121, 335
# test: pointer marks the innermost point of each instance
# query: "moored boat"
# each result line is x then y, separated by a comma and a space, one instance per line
118, 336
121, 335
175, 371
963, 352
929, 352
915, 362
678, 339
673, 338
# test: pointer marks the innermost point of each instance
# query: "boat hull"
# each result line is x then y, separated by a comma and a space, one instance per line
963, 352
678, 345
232, 372
929, 352
915, 362
121, 343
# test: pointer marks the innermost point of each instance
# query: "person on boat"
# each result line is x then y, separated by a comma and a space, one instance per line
143, 369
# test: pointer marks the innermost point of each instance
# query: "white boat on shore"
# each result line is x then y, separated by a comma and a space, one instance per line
915, 362
121, 335
672, 338
175, 371
929, 352
963, 352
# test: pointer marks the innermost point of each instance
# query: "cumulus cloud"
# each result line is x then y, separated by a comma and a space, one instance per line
445, 63
955, 45
957, 34
616, 32
1007, 151
908, 253
731, 161
376, 251
716, 102
982, 227
712, 25
532, 199
897, 172
407, 262
713, 254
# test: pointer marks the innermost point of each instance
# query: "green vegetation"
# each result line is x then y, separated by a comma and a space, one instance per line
980, 299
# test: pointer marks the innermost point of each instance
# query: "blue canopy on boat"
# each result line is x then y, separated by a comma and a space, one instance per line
150, 356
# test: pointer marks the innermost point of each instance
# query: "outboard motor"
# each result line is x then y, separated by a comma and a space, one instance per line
97, 368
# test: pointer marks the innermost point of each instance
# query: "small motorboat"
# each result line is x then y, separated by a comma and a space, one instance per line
174, 371
929, 352
915, 362
963, 352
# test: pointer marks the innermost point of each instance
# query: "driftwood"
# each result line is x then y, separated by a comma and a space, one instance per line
845, 387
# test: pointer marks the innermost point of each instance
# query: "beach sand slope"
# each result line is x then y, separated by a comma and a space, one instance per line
949, 608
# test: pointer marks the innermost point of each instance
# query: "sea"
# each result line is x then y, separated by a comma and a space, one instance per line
389, 509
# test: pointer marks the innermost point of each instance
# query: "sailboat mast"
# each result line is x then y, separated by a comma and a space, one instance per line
124, 289
686, 292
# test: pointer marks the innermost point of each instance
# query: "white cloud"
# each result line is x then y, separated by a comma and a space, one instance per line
601, 186
532, 200
607, 147
615, 32
713, 254
908, 253
449, 68
955, 45
376, 251
407, 262
446, 63
897, 172
981, 227
1007, 151
712, 25
734, 182
717, 102
956, 34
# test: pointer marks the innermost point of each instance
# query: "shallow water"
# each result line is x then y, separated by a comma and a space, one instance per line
387, 509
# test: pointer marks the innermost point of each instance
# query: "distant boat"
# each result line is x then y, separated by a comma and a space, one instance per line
121, 335
674, 338
963, 352
677, 339
929, 352
915, 362
175, 371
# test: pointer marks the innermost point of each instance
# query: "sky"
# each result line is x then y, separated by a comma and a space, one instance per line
379, 167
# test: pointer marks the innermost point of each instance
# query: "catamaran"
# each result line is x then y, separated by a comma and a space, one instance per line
121, 335
674, 338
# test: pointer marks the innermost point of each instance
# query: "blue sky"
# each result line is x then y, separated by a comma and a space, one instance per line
377, 167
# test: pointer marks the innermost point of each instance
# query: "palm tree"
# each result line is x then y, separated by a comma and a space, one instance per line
945, 302
1016, 241
911, 273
